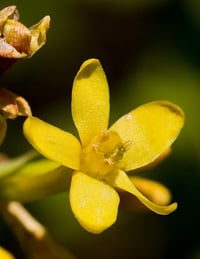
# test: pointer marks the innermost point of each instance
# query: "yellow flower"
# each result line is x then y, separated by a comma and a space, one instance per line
102, 156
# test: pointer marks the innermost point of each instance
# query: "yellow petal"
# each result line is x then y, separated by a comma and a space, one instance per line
120, 180
155, 191
90, 100
157, 161
38, 35
94, 203
149, 130
52, 142
4, 254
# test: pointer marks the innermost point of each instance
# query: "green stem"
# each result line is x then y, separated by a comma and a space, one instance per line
10, 166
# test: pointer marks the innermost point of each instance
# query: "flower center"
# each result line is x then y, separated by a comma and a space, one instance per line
102, 154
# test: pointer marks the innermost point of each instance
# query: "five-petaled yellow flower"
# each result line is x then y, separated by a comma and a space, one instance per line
102, 156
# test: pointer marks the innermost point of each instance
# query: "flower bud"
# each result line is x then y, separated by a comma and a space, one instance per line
18, 41
12, 105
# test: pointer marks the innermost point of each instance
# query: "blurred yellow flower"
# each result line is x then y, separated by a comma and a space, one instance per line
4, 254
103, 155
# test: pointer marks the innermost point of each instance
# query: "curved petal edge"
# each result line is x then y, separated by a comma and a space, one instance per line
119, 179
52, 142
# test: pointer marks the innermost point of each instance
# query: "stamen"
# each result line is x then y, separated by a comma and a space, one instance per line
119, 151
103, 154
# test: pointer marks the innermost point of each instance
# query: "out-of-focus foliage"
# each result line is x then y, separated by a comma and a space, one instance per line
149, 51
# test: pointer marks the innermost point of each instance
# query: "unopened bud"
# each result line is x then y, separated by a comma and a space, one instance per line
18, 41
12, 105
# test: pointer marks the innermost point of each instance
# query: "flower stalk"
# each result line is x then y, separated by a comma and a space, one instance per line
33, 237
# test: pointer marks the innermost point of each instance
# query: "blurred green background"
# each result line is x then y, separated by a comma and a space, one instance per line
149, 50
